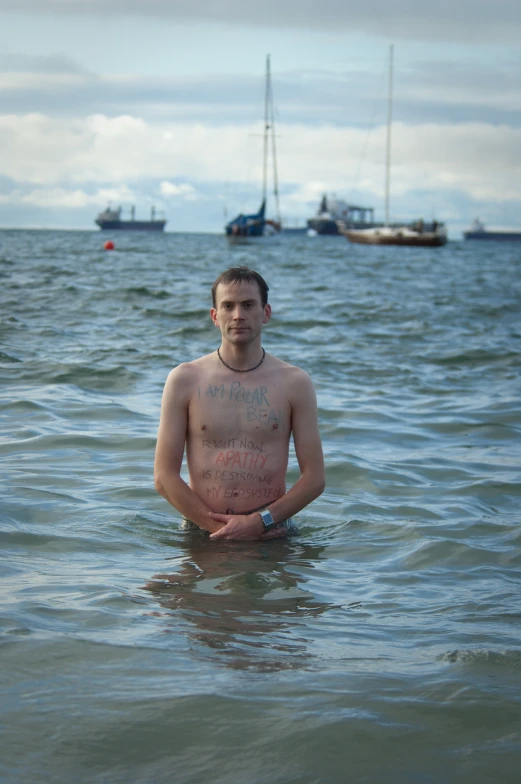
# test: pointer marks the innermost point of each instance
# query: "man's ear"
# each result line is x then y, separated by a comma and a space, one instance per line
213, 316
267, 313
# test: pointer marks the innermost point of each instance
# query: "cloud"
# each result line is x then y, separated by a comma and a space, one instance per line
99, 151
184, 191
400, 20
428, 91
67, 198
17, 62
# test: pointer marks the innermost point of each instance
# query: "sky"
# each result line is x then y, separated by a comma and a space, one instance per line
161, 102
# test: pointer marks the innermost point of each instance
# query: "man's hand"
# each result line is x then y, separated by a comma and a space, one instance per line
244, 528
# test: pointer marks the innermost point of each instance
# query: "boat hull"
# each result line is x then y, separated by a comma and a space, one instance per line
267, 235
251, 228
502, 236
119, 225
402, 237
323, 226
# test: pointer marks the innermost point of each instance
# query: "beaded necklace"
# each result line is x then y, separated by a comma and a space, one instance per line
235, 370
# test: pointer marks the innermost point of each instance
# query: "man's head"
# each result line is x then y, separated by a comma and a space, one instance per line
241, 275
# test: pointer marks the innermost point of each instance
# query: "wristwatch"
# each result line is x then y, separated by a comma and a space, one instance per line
267, 519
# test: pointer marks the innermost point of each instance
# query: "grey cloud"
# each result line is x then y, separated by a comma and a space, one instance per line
446, 20
17, 62
441, 91
6, 184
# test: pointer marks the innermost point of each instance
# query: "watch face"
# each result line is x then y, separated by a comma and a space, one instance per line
267, 519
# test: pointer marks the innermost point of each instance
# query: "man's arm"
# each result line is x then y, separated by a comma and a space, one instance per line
310, 484
170, 447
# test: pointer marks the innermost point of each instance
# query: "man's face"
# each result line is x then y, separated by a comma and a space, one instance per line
239, 313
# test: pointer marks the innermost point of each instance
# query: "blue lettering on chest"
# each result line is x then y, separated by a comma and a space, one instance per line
255, 396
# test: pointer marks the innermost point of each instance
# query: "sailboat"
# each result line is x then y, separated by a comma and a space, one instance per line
246, 228
419, 233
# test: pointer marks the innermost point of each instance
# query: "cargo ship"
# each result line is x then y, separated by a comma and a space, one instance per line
478, 231
112, 219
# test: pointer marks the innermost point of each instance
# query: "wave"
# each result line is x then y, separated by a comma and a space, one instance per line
507, 659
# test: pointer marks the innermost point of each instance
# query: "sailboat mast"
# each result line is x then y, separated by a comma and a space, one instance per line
274, 156
266, 129
389, 126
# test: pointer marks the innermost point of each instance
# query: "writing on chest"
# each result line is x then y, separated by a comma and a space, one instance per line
235, 393
249, 405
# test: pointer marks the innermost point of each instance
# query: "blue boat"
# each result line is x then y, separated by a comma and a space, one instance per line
245, 226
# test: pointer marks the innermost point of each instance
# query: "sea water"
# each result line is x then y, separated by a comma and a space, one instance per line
383, 644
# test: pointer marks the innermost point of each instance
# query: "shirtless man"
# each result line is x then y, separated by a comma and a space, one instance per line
234, 411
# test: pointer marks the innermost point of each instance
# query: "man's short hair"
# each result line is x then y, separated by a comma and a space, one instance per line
241, 275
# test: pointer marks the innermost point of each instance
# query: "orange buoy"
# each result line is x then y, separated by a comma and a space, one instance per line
109, 245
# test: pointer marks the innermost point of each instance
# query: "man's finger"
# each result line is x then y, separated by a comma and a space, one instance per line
221, 518
218, 534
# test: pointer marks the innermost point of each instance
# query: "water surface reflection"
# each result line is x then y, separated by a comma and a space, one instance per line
245, 602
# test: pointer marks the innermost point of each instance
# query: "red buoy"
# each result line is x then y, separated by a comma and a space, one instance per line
109, 245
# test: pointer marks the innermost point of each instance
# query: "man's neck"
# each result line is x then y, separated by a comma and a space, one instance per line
241, 359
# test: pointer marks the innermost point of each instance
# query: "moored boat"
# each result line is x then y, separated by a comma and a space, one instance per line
247, 227
255, 227
331, 211
417, 234
111, 219
477, 231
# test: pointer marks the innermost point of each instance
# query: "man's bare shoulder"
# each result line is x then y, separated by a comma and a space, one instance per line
189, 373
292, 376
290, 371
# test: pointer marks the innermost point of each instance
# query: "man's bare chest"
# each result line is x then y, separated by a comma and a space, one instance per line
229, 410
